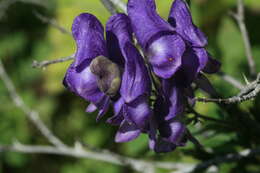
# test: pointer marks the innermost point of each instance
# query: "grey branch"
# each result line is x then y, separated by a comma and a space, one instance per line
32, 115
248, 92
231, 80
52, 22
43, 64
247, 153
101, 155
239, 16
120, 4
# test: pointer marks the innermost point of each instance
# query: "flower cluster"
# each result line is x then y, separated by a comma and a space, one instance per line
113, 72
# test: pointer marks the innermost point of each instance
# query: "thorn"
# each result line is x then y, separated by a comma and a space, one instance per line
245, 78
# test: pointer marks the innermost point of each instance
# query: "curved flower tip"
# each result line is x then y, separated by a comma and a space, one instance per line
88, 33
145, 21
127, 132
165, 55
212, 66
135, 79
180, 18
118, 28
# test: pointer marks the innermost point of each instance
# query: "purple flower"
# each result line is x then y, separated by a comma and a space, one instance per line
171, 46
110, 71
175, 50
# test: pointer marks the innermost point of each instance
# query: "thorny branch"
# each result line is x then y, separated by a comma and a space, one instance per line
52, 22
248, 92
239, 16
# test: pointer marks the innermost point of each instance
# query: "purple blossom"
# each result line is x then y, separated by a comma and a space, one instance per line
99, 68
113, 72
175, 50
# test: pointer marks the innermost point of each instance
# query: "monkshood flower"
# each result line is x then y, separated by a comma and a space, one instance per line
175, 50
110, 71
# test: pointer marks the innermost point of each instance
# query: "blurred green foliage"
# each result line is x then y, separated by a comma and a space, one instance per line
25, 38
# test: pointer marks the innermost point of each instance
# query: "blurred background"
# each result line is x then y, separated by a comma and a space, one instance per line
25, 37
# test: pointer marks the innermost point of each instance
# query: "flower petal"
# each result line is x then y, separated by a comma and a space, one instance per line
175, 100
84, 84
180, 18
91, 108
138, 111
89, 36
172, 131
135, 80
127, 132
146, 23
165, 55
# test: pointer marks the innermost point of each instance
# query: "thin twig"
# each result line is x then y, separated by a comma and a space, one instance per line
120, 4
248, 92
45, 63
231, 80
239, 16
52, 22
31, 114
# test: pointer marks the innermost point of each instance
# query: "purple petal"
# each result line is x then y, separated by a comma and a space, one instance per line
138, 111
91, 108
202, 56
127, 132
174, 99
172, 131
165, 55
156, 143
135, 80
89, 36
180, 18
84, 84
212, 66
118, 112
146, 23
103, 107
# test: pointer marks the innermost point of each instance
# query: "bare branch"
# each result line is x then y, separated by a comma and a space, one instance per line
103, 155
239, 16
52, 22
228, 158
120, 4
249, 92
43, 64
31, 114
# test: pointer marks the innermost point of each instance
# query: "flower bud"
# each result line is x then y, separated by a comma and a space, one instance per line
108, 75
